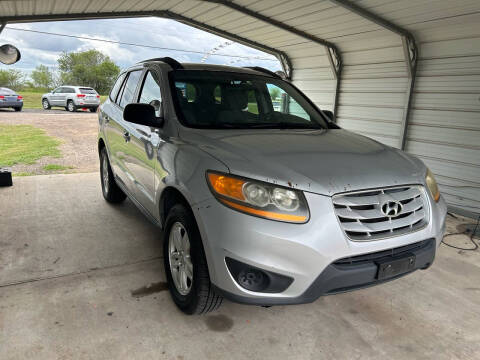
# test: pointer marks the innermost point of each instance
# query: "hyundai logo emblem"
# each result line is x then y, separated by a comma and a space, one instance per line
392, 208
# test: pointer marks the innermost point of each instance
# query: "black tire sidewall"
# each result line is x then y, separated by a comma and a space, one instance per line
179, 213
73, 106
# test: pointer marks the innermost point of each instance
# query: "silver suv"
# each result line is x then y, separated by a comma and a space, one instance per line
262, 200
72, 98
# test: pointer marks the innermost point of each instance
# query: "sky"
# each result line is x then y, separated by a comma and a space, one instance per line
44, 49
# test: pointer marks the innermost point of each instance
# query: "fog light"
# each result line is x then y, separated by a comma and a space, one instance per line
253, 280
258, 280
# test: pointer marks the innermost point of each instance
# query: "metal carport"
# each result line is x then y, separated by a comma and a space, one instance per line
406, 73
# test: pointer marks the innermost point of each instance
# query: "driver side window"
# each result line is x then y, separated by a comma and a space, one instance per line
150, 93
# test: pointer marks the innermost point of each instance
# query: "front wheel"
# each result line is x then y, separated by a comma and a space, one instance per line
46, 104
71, 106
111, 192
185, 264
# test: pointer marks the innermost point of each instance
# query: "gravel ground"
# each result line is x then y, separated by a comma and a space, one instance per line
78, 132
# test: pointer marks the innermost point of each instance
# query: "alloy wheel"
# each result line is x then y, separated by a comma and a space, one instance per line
181, 266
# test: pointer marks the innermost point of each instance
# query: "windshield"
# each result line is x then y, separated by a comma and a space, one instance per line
222, 100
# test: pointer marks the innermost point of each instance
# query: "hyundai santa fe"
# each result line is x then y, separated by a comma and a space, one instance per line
260, 197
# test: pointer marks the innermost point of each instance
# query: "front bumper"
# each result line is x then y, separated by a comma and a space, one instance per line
307, 253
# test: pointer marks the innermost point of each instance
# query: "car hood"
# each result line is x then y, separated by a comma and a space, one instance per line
320, 161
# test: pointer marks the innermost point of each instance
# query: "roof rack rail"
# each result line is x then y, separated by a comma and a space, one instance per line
263, 70
167, 60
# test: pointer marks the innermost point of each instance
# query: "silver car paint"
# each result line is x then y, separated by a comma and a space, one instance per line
61, 99
321, 163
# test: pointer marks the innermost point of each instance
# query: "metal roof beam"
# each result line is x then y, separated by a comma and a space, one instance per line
410, 50
280, 55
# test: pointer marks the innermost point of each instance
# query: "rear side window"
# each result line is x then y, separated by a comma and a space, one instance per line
87, 91
69, 90
129, 89
6, 91
116, 87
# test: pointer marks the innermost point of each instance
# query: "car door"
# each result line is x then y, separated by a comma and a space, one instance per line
54, 97
116, 130
140, 159
64, 95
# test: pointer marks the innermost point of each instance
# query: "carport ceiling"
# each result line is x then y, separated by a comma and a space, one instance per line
301, 33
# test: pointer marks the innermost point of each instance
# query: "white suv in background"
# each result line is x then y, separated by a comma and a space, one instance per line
72, 98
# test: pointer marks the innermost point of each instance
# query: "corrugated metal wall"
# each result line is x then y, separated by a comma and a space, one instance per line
444, 128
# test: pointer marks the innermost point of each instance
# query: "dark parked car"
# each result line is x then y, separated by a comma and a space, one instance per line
10, 99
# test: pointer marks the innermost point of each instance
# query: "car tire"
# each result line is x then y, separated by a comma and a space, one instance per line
197, 295
71, 106
94, 110
17, 108
111, 192
46, 104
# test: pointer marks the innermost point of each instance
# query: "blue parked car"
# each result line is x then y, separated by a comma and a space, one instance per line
9, 98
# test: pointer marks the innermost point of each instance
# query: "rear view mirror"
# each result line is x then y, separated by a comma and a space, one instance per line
142, 114
9, 54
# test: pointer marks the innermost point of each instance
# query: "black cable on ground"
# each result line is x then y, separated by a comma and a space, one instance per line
475, 245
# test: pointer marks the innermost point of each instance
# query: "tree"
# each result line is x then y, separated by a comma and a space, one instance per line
12, 78
88, 68
42, 77
274, 93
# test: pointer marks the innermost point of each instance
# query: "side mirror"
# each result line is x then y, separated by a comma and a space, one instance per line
9, 54
328, 114
142, 114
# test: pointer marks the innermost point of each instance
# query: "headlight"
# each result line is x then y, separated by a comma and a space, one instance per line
432, 185
258, 198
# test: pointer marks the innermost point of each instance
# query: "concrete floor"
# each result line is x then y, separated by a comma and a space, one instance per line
69, 262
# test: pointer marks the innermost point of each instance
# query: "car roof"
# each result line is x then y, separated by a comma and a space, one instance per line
76, 87
211, 67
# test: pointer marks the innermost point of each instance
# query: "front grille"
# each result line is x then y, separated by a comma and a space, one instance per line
381, 213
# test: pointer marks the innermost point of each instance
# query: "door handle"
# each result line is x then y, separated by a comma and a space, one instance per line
126, 136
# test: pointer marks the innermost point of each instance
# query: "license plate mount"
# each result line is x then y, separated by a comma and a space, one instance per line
392, 267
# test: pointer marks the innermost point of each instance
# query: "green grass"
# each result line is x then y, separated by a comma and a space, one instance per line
33, 99
25, 144
56, 167
253, 108
23, 174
